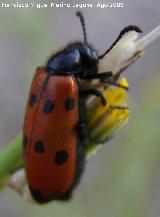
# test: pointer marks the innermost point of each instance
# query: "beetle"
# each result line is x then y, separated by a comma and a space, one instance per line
54, 126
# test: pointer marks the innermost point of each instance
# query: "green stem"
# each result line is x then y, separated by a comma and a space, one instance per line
10, 159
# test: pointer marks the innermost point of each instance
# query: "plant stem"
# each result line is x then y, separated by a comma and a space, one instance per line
10, 159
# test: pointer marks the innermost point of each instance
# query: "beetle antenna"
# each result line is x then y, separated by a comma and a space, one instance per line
80, 15
121, 34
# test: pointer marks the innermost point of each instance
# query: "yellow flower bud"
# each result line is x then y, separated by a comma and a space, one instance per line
104, 121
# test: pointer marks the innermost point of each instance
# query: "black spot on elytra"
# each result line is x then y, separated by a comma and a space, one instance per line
70, 103
48, 106
39, 147
24, 141
32, 100
61, 157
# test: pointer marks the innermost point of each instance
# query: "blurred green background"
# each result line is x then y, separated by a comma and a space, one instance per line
122, 179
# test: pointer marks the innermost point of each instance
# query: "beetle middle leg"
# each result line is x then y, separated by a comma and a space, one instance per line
82, 127
97, 93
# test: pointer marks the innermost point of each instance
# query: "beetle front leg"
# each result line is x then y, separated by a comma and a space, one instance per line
102, 75
105, 77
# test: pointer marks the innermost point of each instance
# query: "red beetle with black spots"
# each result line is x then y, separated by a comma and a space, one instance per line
54, 126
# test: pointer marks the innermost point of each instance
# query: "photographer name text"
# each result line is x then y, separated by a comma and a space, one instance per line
62, 5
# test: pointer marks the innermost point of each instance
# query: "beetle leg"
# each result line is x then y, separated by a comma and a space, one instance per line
102, 75
97, 93
82, 130
116, 84
119, 107
65, 196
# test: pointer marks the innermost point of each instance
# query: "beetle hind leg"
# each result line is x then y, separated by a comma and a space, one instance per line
80, 164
